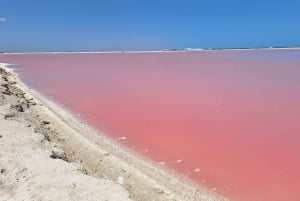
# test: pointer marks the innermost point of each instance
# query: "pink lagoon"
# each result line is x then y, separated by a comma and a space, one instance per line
229, 120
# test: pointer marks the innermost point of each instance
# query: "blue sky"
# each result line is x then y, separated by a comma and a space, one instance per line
63, 25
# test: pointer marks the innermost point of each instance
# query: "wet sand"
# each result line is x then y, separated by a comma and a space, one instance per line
48, 154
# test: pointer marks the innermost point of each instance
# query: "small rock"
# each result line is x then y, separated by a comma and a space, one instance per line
17, 107
45, 122
58, 154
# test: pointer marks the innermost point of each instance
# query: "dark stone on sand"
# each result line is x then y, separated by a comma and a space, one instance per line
46, 122
59, 155
18, 107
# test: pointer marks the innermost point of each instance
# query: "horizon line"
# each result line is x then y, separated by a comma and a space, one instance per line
152, 51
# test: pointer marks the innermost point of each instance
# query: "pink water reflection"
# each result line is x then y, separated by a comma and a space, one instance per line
233, 114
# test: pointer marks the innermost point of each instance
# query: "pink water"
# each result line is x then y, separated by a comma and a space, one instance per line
232, 117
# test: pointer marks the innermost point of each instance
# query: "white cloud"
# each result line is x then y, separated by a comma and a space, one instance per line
2, 19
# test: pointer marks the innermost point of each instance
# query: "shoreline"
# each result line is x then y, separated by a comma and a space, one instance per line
104, 158
156, 51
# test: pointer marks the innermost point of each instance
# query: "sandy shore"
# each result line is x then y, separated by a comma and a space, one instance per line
48, 154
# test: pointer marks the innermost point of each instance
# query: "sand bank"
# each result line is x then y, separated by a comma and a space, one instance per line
48, 154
